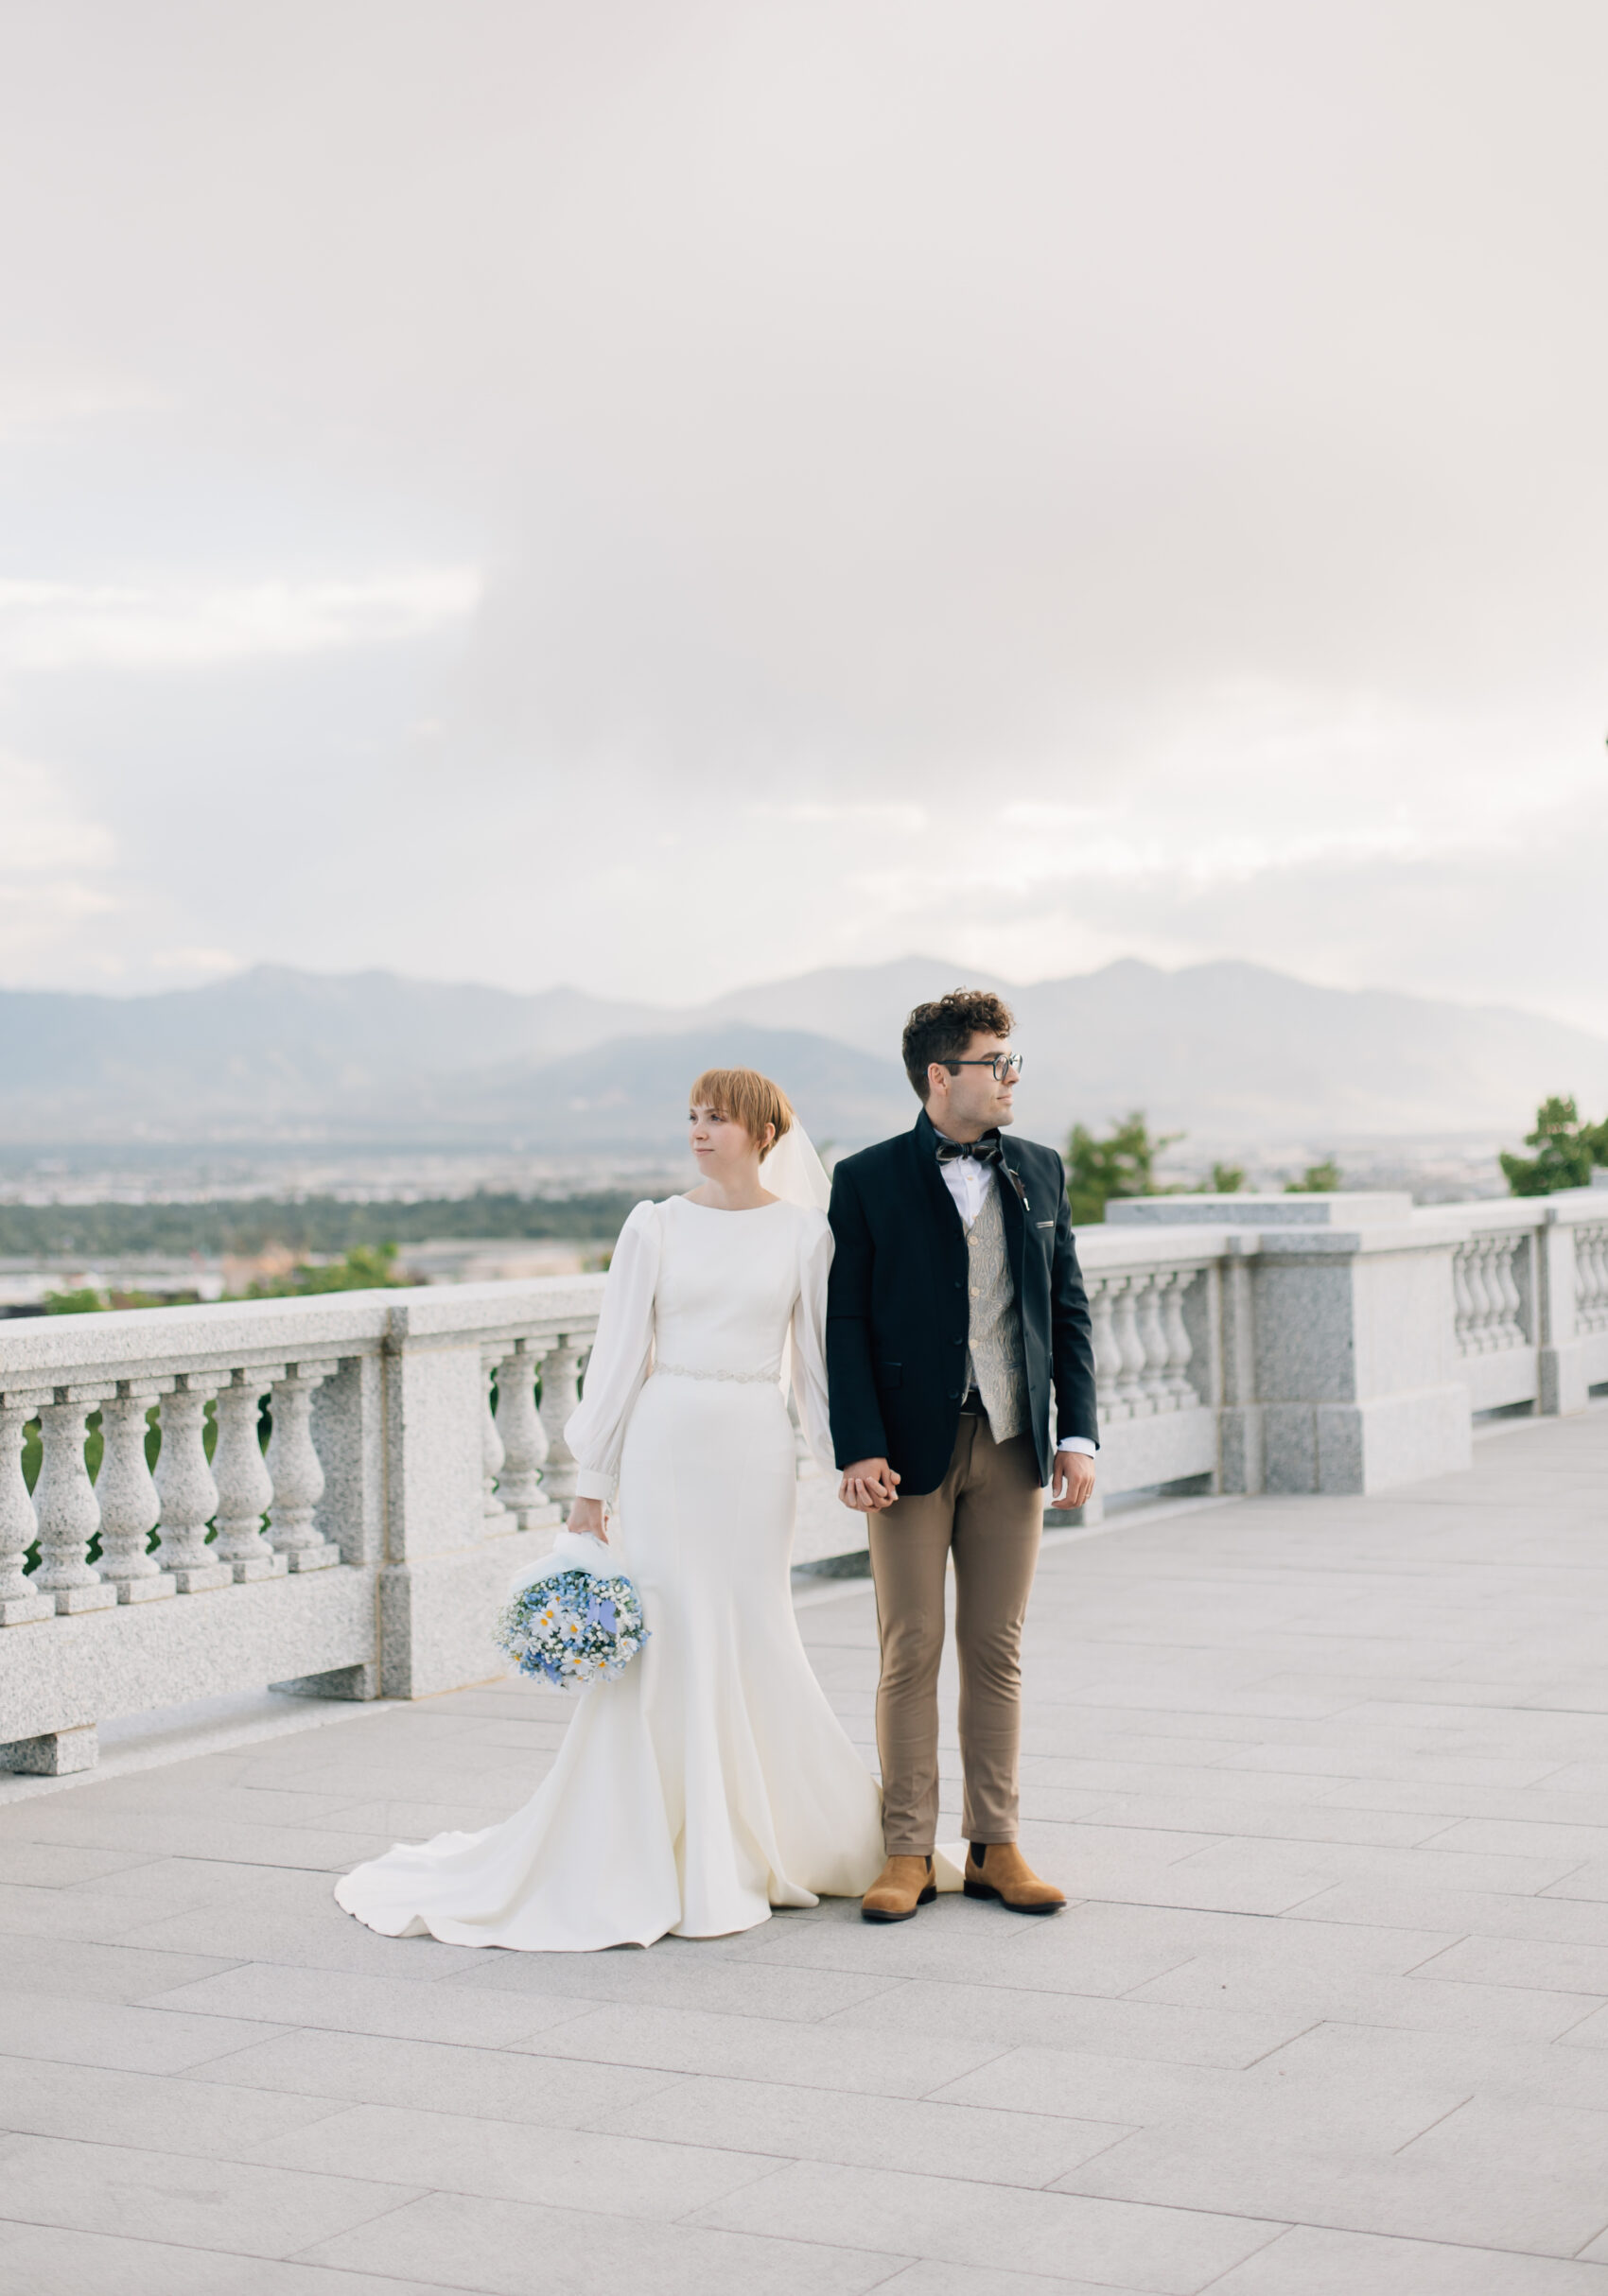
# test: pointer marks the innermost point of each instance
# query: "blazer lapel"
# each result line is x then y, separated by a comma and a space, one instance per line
929, 1179
1012, 1186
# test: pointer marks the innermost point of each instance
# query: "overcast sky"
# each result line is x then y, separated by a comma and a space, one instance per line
664, 495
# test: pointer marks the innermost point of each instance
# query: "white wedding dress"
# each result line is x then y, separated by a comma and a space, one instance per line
710, 1781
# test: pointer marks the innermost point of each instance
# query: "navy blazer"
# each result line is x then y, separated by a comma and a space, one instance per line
898, 1305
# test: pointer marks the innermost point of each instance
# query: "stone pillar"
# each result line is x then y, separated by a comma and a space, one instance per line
1241, 1433
448, 1563
1356, 1358
1562, 1364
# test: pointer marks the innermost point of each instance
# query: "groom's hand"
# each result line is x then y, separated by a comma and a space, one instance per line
1073, 1483
868, 1487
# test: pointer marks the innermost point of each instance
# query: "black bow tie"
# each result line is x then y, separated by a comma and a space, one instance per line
989, 1150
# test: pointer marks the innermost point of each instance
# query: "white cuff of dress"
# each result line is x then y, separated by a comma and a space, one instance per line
1077, 1443
590, 1484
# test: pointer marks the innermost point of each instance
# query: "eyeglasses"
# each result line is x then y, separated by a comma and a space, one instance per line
1006, 1066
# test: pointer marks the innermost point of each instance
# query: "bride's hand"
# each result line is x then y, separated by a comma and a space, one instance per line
587, 1515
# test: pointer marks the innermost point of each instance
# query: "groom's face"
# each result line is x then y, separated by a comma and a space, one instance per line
974, 1098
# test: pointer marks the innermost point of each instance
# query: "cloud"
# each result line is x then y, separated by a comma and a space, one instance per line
1032, 486
54, 625
42, 826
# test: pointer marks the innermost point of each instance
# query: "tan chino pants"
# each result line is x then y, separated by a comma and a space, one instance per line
988, 1513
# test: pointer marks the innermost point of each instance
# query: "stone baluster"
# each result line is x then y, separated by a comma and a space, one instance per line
245, 1487
186, 1489
129, 1505
1152, 1332
1108, 1355
1465, 1313
1479, 1298
21, 1602
1130, 1397
523, 1436
296, 1474
561, 1392
1511, 1328
491, 1452
67, 1506
1180, 1349
1491, 1271
1591, 1278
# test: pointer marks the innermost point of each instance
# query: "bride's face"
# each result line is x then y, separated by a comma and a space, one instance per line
722, 1148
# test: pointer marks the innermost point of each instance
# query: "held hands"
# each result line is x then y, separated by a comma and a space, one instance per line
868, 1487
1073, 1483
588, 1515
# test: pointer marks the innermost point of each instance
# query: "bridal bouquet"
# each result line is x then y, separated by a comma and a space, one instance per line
575, 1620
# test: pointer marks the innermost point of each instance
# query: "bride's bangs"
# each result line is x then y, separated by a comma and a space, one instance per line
744, 1097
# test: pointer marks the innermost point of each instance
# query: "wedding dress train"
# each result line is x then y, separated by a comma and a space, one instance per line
712, 1781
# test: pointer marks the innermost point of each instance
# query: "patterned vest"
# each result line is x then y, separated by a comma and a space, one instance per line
994, 1362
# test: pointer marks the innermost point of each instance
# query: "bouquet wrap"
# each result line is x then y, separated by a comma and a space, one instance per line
574, 1617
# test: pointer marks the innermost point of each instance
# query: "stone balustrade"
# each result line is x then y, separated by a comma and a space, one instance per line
409, 1470
1301, 1344
1344, 1343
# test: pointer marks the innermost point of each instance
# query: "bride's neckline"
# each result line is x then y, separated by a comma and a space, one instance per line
727, 1211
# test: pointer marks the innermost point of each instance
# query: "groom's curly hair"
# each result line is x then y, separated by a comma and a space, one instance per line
942, 1030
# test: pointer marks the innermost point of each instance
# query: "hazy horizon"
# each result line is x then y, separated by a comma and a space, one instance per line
661, 498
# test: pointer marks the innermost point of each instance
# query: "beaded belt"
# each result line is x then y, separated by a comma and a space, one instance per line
743, 1378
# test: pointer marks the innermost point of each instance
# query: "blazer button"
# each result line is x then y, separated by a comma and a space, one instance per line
954, 1395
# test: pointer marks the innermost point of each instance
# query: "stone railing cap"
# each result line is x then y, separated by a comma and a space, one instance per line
36, 1351
1344, 1207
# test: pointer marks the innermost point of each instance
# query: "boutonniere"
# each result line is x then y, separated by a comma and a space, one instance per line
1015, 1183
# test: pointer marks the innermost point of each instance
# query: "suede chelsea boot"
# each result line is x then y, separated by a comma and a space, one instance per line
903, 1884
998, 1869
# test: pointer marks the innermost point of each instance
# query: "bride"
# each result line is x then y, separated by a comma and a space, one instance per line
710, 1781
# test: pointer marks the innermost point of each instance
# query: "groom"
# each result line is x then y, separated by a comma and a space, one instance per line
955, 1305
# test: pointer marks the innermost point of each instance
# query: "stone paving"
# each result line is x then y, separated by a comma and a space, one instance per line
1327, 1780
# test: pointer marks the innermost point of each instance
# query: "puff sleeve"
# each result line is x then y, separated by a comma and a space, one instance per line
808, 1336
595, 1430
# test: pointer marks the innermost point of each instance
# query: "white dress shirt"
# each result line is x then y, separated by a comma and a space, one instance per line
968, 1183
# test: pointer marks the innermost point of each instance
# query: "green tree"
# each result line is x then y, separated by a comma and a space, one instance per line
367, 1267
85, 1302
1317, 1180
1567, 1150
1227, 1180
1123, 1164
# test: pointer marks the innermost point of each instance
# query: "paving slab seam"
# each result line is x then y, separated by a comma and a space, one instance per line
1439, 2122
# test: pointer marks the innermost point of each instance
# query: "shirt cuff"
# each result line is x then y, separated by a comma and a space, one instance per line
1077, 1443
590, 1484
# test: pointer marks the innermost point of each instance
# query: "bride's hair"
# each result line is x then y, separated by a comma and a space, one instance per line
749, 1098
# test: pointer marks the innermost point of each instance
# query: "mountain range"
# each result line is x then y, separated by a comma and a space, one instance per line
1236, 1052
